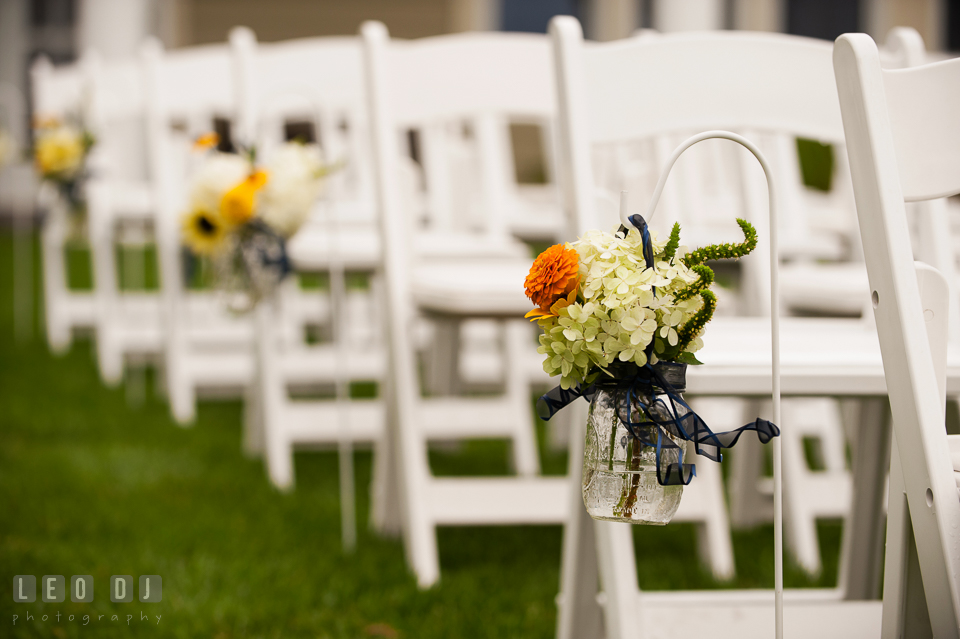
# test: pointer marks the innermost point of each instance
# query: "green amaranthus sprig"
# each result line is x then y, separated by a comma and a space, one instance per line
673, 243
704, 282
725, 251
695, 262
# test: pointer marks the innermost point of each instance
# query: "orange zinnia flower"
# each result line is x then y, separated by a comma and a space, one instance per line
554, 276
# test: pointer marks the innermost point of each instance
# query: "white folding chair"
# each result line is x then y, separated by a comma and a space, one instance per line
317, 83
661, 62
473, 77
121, 208
751, 501
206, 348
59, 92
903, 141
688, 82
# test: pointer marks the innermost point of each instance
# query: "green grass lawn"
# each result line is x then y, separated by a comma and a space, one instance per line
92, 486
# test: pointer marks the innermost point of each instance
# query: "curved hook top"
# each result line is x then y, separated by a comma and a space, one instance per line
706, 135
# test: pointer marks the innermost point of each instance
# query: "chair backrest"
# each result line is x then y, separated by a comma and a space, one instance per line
57, 91
116, 116
185, 90
467, 86
903, 141
771, 87
314, 81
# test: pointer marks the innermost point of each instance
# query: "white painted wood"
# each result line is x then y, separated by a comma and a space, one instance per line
688, 15
420, 83
59, 92
581, 74
206, 348
120, 211
876, 112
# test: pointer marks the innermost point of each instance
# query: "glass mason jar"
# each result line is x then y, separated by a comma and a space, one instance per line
619, 471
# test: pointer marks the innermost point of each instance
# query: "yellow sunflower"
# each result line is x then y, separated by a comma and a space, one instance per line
204, 232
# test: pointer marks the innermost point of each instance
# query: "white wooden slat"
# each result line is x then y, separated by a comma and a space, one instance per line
926, 131
496, 500
782, 85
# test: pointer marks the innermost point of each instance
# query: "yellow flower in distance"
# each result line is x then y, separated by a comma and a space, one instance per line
206, 141
59, 151
238, 204
204, 232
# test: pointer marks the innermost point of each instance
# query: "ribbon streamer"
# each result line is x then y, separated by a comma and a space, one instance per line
666, 411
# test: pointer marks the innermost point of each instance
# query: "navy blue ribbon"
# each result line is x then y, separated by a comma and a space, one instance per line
660, 406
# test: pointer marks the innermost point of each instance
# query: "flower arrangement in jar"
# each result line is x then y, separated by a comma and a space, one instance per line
241, 214
623, 314
60, 156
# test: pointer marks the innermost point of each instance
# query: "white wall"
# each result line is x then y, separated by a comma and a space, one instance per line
114, 28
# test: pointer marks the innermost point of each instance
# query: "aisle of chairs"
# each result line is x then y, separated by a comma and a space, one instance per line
459, 157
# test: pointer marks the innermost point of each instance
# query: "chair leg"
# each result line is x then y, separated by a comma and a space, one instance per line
253, 418
442, 356
54, 284
579, 614
801, 526
713, 535
525, 455
384, 494
748, 505
279, 456
109, 355
183, 401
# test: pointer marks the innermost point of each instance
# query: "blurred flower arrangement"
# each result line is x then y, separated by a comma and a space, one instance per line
241, 214
622, 316
60, 155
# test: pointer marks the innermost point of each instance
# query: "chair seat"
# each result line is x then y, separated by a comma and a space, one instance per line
819, 356
537, 214
478, 288
357, 246
834, 288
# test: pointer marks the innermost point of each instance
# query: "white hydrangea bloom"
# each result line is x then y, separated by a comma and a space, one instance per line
626, 306
295, 182
218, 173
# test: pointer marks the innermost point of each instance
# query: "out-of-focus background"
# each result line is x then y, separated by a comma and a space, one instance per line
99, 480
61, 29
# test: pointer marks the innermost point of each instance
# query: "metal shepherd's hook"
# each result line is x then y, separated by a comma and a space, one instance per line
774, 332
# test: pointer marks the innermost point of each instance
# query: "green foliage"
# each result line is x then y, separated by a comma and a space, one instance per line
696, 324
816, 163
673, 243
725, 251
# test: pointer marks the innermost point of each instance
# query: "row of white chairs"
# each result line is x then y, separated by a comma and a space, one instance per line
434, 86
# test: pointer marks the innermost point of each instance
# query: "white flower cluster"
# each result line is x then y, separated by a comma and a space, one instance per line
217, 174
295, 181
621, 307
